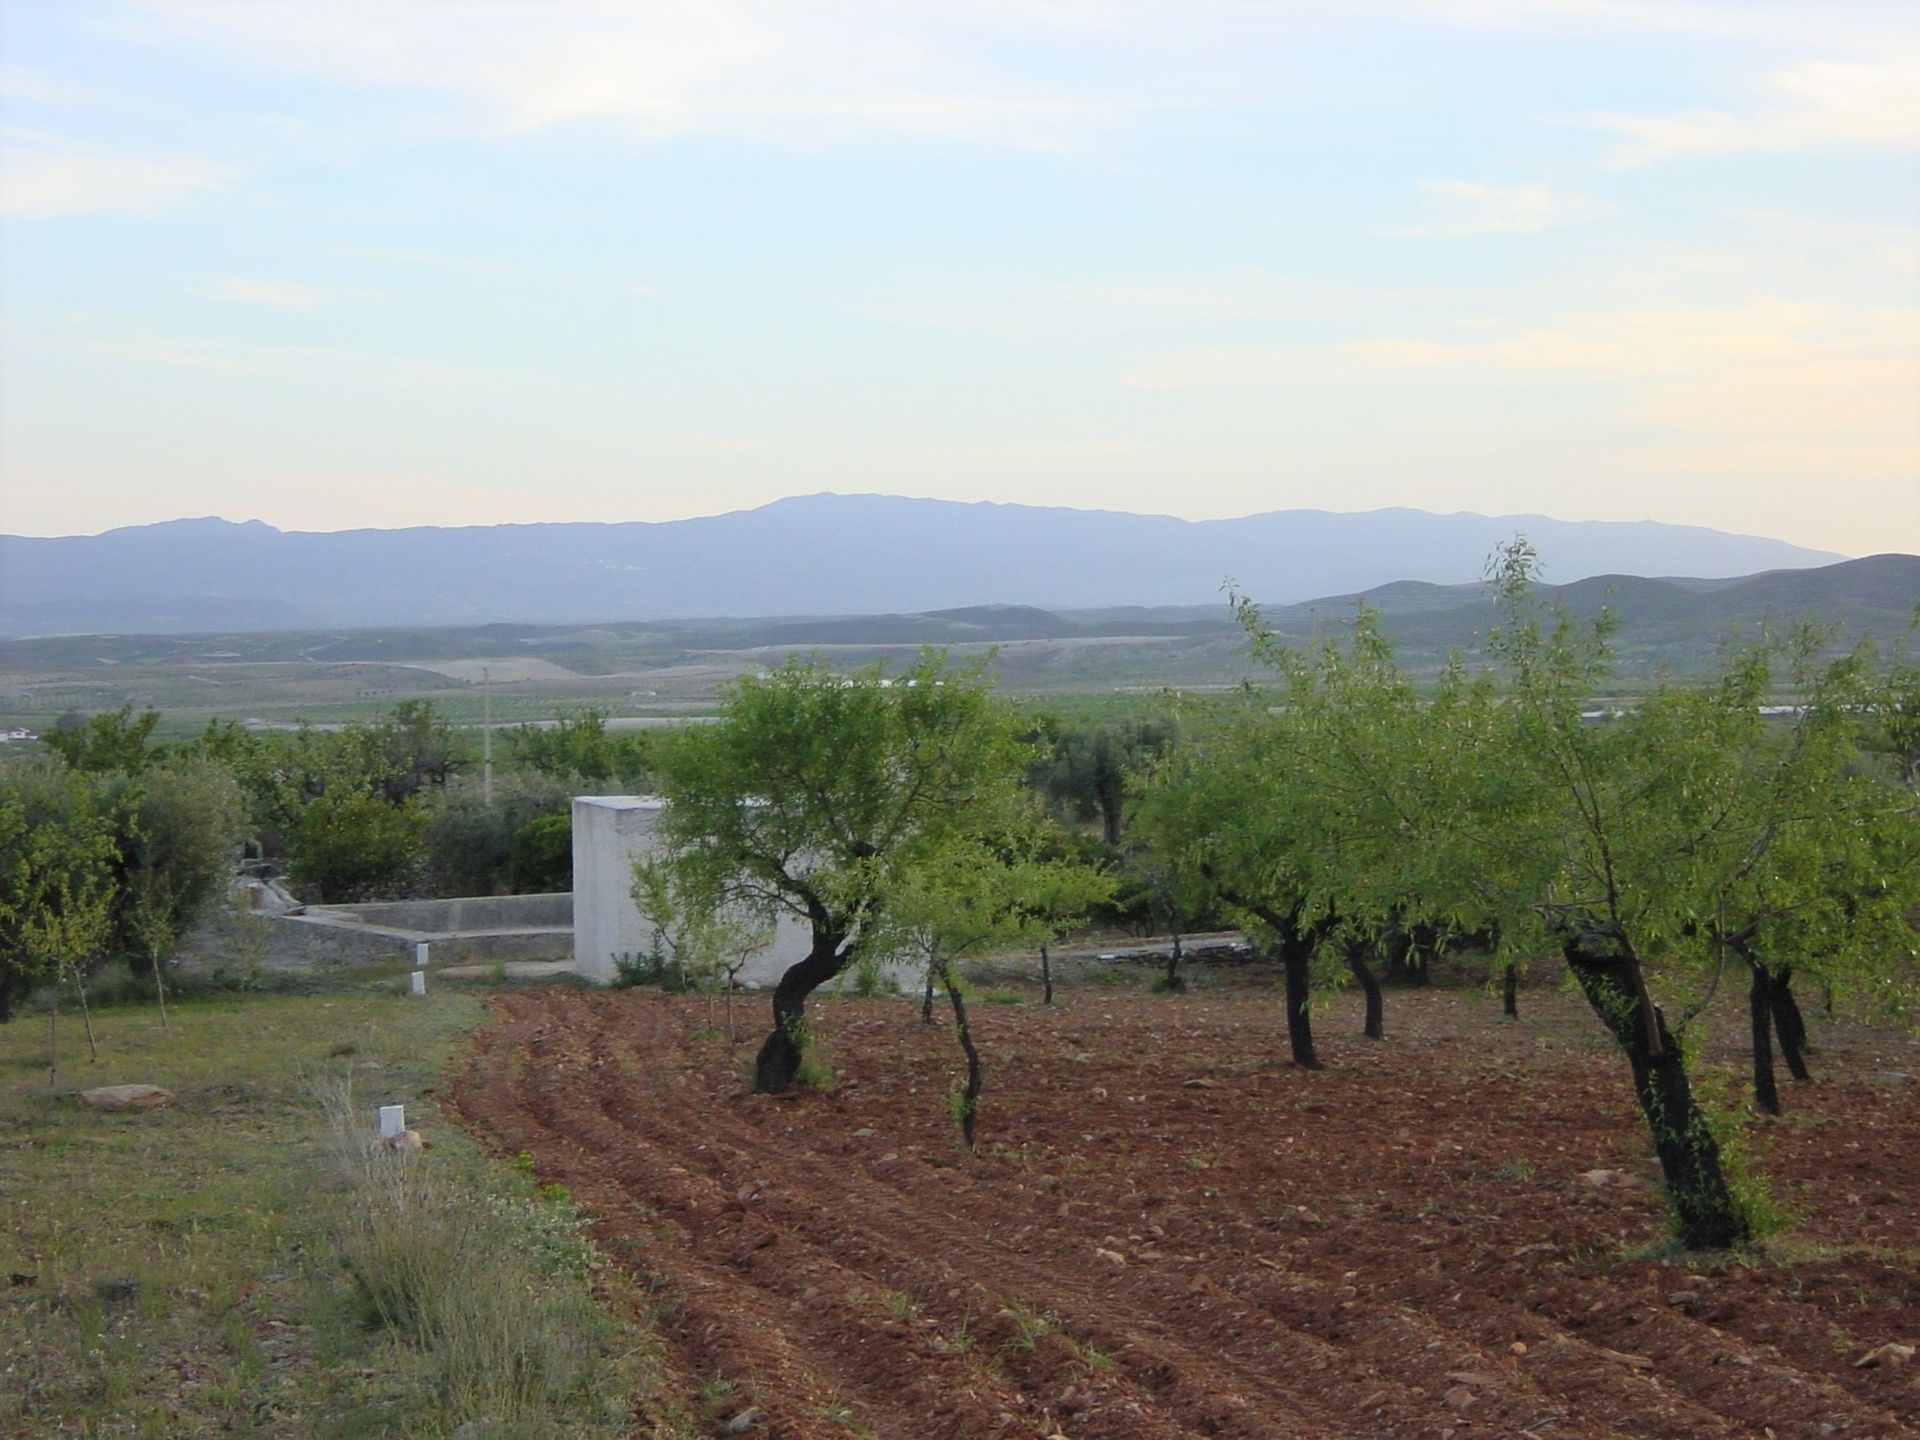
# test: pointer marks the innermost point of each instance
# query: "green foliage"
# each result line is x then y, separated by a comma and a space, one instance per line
318, 797
826, 788
579, 745
353, 846
56, 878
697, 942
177, 828
540, 859
113, 740
1085, 771
1761, 1215
821, 796
1646, 845
477, 848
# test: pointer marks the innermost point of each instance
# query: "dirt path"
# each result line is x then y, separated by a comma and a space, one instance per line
1169, 1232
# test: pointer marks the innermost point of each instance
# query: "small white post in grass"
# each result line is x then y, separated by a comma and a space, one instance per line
393, 1121
419, 982
420, 955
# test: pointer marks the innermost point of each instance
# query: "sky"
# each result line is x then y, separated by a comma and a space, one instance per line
334, 265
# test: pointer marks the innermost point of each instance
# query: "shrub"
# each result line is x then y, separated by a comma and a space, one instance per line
350, 846
540, 859
475, 848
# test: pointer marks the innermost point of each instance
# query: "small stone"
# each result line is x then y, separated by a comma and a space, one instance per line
1518, 1347
1459, 1397
126, 1097
865, 1132
1112, 1257
1886, 1356
1890, 1077
405, 1140
1600, 1179
1472, 1377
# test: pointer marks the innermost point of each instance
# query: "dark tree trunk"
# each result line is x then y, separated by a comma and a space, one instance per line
1112, 809
969, 1096
1766, 1094
778, 1064
1791, 1026
1376, 1024
1608, 972
1510, 992
1046, 977
1297, 957
1172, 984
926, 1000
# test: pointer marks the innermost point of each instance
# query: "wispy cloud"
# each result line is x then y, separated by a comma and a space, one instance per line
1722, 380
1465, 208
20, 85
45, 176
1816, 105
274, 294
249, 359
788, 73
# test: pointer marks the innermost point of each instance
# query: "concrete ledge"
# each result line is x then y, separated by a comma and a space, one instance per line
473, 929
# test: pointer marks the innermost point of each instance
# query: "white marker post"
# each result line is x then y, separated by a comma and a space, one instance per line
419, 982
420, 956
393, 1121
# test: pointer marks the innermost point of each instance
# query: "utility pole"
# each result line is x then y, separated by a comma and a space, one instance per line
486, 734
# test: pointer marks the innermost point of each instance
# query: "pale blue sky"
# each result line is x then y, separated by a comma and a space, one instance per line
344, 264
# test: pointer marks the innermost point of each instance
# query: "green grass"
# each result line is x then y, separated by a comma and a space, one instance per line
217, 1267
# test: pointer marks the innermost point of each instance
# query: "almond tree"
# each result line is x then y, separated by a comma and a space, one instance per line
818, 794
980, 895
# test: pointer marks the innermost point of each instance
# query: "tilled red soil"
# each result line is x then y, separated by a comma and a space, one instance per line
1169, 1231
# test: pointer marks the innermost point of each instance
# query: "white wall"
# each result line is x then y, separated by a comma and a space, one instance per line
610, 832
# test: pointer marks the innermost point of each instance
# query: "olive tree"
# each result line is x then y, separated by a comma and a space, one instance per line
818, 793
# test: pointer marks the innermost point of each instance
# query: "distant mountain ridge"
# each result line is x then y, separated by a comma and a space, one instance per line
807, 555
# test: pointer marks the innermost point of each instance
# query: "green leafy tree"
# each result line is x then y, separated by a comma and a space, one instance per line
349, 845
309, 789
701, 938
981, 894
580, 746
477, 847
1256, 815
1085, 771
1810, 864
818, 793
176, 829
56, 887
112, 740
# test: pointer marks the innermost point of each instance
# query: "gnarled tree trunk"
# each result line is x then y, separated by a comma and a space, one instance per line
1608, 972
778, 1063
970, 1094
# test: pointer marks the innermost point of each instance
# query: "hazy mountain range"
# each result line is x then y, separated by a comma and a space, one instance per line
809, 555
